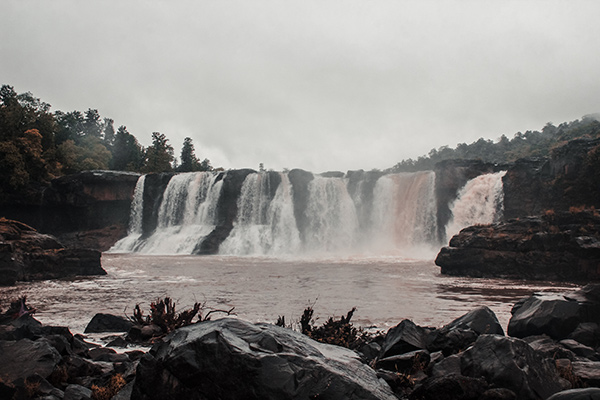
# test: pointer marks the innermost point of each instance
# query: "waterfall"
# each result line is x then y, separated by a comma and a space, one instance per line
264, 226
480, 201
277, 214
134, 231
403, 216
186, 215
331, 216
135, 217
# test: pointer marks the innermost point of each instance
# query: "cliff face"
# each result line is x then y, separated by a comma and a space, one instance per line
555, 246
89, 209
569, 177
26, 255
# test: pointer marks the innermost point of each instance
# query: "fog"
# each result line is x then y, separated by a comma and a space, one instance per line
319, 85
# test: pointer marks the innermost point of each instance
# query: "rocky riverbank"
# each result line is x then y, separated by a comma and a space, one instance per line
553, 246
26, 255
551, 352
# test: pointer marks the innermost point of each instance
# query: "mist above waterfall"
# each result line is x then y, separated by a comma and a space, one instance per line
276, 214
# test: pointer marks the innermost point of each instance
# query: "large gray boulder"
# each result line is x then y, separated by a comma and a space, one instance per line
574, 315
512, 364
234, 359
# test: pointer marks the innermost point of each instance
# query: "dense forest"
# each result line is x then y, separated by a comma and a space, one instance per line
37, 145
522, 145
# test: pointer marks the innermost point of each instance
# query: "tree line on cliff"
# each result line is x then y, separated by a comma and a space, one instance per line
523, 145
37, 145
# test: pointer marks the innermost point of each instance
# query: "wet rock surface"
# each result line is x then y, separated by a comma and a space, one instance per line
233, 359
554, 246
469, 358
26, 255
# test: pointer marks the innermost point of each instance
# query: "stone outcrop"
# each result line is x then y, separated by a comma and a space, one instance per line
73, 205
573, 315
567, 178
28, 255
49, 362
555, 246
233, 359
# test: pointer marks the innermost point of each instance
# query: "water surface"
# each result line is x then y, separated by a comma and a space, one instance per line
385, 290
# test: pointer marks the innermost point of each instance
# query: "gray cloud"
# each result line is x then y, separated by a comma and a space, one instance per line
319, 85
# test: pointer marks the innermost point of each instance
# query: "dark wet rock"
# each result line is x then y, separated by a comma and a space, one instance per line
481, 320
117, 341
23, 358
462, 332
233, 359
448, 366
40, 386
512, 364
587, 371
27, 255
580, 349
550, 315
125, 392
451, 387
587, 333
7, 391
558, 316
108, 323
406, 363
77, 392
548, 348
403, 338
498, 394
577, 394
555, 246
453, 341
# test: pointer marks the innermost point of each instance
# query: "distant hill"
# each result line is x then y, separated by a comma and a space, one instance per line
531, 144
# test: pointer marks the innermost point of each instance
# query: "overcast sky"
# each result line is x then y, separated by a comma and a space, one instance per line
320, 85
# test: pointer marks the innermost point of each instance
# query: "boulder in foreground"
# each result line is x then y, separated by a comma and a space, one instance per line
234, 359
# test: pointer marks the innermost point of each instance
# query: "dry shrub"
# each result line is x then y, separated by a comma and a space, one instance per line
338, 332
107, 392
164, 315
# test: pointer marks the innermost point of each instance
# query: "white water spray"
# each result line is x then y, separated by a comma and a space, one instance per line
331, 216
480, 201
186, 215
264, 226
403, 218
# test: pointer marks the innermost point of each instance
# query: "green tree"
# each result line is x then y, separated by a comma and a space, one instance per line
159, 155
127, 153
108, 133
189, 162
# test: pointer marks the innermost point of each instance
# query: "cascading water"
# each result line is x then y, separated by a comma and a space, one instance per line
480, 201
403, 216
186, 215
394, 214
127, 244
331, 216
264, 226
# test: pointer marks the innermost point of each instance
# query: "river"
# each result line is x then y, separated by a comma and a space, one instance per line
385, 290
